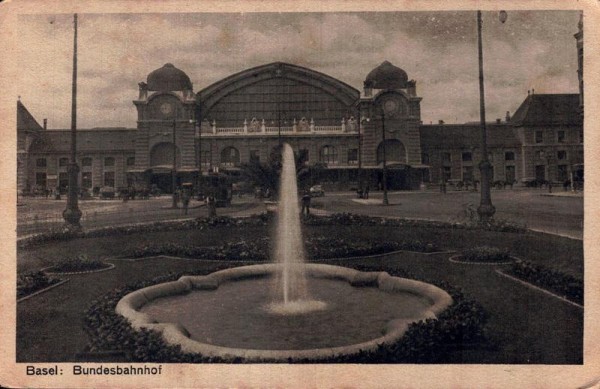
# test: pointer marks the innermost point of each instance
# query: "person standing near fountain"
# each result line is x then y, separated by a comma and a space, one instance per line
305, 203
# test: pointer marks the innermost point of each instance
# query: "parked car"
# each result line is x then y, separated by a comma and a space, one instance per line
317, 191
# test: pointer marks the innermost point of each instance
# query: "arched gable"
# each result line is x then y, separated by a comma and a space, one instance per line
276, 92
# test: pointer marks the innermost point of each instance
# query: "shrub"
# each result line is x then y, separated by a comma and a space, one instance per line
31, 282
560, 283
485, 254
80, 263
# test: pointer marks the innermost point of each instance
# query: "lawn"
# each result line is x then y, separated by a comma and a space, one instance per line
525, 326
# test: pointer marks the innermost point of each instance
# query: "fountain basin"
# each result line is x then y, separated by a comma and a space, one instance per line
235, 336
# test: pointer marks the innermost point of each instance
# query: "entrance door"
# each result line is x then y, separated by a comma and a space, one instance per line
162, 181
540, 173
510, 174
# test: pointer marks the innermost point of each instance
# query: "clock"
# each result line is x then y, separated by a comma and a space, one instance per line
166, 108
390, 106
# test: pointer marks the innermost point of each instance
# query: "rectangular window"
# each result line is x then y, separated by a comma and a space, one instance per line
86, 162
539, 136
63, 162
109, 162
446, 158
561, 136
509, 156
130, 161
40, 162
109, 179
41, 180
352, 156
86, 180
467, 157
561, 154
425, 158
447, 173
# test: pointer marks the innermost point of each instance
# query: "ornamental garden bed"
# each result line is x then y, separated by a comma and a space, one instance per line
463, 322
554, 281
484, 255
29, 283
77, 265
317, 247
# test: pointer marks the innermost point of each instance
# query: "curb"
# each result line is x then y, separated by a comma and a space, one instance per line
531, 286
42, 291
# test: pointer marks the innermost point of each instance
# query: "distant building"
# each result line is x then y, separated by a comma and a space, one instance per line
244, 117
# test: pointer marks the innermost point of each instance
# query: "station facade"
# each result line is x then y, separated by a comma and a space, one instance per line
342, 132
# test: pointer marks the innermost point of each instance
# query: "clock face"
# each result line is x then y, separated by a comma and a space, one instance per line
166, 108
390, 106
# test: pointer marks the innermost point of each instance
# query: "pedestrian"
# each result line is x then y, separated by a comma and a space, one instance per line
185, 200
366, 193
305, 203
211, 205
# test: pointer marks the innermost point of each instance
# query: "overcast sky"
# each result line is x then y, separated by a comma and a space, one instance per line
532, 50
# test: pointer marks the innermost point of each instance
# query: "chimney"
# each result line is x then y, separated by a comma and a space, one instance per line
45, 123
440, 122
498, 120
507, 118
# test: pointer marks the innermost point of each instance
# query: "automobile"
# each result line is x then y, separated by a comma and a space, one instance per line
317, 191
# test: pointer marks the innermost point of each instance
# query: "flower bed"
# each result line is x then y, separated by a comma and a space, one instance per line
31, 282
484, 254
79, 264
317, 247
557, 282
65, 233
424, 341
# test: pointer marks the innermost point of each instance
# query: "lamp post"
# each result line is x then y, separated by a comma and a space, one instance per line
360, 172
486, 210
384, 174
72, 214
174, 171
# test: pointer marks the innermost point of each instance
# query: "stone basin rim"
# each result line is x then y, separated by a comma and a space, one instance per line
174, 333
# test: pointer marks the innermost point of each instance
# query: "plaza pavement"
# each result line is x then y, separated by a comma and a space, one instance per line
558, 213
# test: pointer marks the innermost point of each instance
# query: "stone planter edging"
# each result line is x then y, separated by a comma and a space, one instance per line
59, 283
174, 333
45, 270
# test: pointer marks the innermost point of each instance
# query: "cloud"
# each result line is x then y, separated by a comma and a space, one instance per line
116, 51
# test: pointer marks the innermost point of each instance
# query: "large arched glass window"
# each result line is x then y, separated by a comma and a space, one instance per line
162, 155
329, 154
230, 156
394, 152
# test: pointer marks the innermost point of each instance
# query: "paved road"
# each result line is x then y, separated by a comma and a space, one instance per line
561, 215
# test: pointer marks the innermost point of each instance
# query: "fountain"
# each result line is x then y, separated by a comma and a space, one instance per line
287, 310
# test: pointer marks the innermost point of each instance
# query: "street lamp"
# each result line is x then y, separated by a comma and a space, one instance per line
486, 210
198, 136
385, 192
174, 171
72, 214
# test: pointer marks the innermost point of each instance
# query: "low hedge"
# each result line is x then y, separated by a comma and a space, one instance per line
317, 247
485, 254
80, 263
31, 282
555, 281
68, 233
426, 341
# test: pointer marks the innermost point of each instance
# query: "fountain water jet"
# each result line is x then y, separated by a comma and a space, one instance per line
289, 245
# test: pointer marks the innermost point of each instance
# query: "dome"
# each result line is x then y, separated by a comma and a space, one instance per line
168, 78
386, 76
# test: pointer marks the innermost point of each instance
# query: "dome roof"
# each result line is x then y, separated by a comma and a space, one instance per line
168, 78
386, 76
